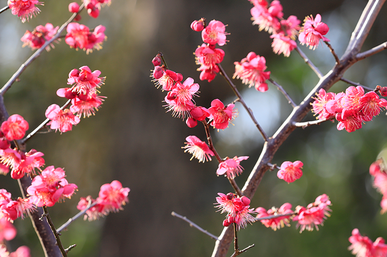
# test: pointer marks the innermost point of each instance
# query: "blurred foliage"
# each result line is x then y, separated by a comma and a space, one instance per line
132, 139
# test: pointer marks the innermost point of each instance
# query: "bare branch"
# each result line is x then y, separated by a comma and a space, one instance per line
4, 9
372, 51
282, 90
194, 225
308, 123
240, 99
356, 84
333, 52
307, 61
79, 214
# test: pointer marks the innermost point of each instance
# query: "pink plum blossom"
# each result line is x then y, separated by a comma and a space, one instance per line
221, 115
15, 127
312, 31
50, 187
62, 120
290, 171
38, 37
231, 167
198, 149
24, 9
251, 71
214, 33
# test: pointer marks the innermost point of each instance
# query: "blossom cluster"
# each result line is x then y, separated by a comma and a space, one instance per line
111, 198
84, 97
284, 31
179, 99
351, 109
78, 36
237, 209
306, 217
207, 55
379, 174
362, 246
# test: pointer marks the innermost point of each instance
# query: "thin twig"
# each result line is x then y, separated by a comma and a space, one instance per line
307, 61
209, 140
372, 51
70, 247
333, 52
282, 90
356, 84
35, 55
308, 123
235, 186
274, 216
58, 241
79, 214
30, 135
4, 9
240, 99
236, 248
194, 225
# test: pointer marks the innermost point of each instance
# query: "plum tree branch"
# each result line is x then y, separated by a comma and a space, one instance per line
326, 82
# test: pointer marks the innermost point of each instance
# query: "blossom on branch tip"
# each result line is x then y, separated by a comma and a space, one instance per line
198, 25
314, 214
15, 127
278, 222
251, 71
290, 171
38, 37
214, 33
198, 149
62, 120
231, 167
111, 198
312, 31
50, 187
24, 9
221, 115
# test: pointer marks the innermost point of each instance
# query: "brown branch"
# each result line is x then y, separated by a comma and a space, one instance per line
58, 241
333, 52
356, 84
298, 113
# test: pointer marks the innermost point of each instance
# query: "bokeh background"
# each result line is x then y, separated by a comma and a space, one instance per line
134, 140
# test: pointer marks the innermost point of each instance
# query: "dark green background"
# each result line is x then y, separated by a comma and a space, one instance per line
133, 140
